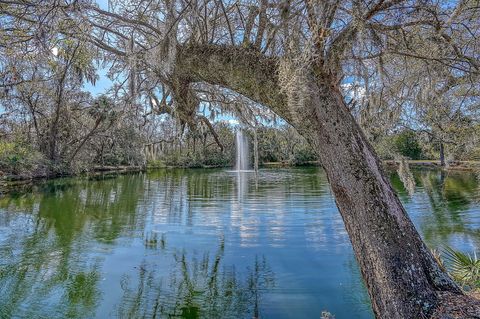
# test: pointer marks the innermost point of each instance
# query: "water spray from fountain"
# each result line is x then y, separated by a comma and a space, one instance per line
242, 163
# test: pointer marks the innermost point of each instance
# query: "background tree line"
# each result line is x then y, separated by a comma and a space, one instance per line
50, 124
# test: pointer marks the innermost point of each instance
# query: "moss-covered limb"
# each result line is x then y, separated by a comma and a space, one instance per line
243, 70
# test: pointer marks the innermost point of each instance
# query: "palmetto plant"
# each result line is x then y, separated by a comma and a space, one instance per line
463, 267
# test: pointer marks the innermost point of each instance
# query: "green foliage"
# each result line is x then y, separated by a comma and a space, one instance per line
217, 158
470, 145
155, 163
123, 147
473, 154
304, 154
198, 159
384, 147
284, 144
178, 159
275, 144
102, 108
199, 149
406, 144
270, 145
19, 158
464, 268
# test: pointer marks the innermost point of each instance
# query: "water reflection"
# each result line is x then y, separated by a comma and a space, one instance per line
195, 244
46, 240
197, 287
445, 208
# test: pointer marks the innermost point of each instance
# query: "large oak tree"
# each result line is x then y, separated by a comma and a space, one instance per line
292, 57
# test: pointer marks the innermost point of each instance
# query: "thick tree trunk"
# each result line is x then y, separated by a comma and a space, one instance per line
255, 150
442, 154
402, 277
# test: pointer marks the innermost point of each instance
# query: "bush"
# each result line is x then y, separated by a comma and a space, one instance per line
304, 154
193, 160
19, 159
384, 147
155, 163
406, 144
464, 268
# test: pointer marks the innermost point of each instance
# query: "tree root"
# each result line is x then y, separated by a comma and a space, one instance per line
455, 306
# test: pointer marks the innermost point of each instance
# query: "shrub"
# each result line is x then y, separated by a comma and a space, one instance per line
303, 154
406, 144
464, 268
19, 159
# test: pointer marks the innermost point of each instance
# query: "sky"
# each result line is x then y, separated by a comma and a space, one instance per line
103, 83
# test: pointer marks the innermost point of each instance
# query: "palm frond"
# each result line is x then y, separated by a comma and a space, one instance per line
464, 268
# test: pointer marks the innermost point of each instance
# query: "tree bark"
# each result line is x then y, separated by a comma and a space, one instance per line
401, 275
255, 150
212, 131
442, 154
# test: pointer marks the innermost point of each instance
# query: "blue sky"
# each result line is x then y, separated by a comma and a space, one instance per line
101, 85
103, 82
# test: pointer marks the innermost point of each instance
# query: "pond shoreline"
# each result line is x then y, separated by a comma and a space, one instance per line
452, 166
13, 183
434, 164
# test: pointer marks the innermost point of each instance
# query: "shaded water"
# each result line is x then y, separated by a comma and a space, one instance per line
203, 243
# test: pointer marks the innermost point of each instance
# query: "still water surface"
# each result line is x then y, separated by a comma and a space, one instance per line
203, 244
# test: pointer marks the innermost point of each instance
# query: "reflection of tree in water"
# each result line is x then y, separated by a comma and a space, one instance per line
28, 290
46, 269
477, 175
197, 288
450, 195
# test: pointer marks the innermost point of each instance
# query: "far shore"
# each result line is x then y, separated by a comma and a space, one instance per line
12, 183
453, 165
9, 183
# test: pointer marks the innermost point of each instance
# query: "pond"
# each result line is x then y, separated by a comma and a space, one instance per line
204, 244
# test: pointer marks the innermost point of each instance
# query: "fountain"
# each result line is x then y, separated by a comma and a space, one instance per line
242, 152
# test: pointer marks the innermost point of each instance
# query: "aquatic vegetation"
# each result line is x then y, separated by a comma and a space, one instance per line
151, 240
